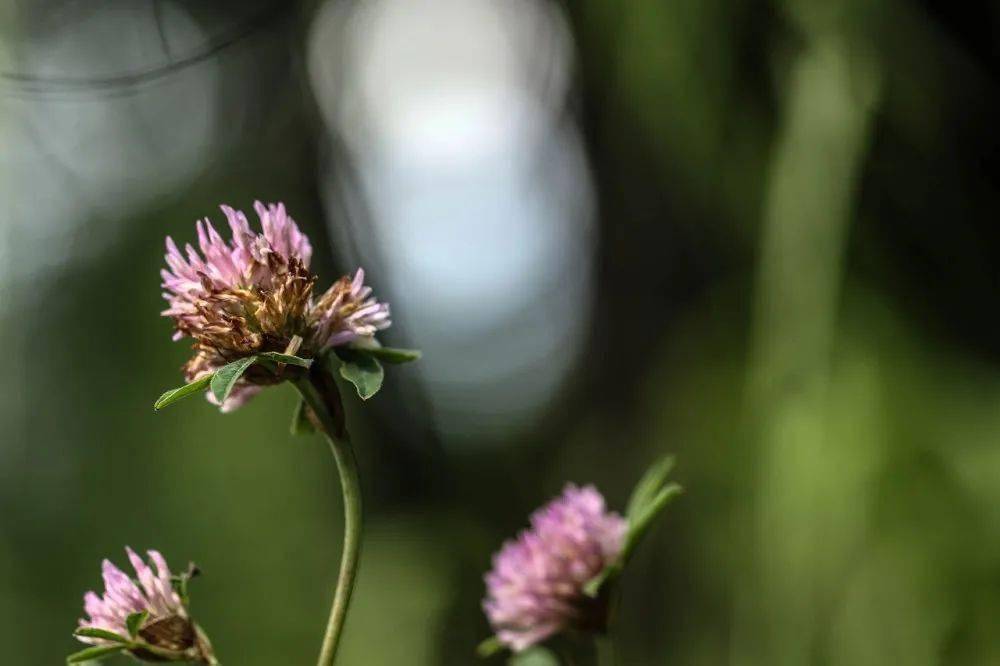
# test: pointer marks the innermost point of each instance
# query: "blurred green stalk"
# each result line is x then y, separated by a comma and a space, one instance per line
831, 92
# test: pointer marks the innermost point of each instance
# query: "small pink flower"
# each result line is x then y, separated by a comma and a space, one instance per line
535, 589
122, 597
166, 626
254, 293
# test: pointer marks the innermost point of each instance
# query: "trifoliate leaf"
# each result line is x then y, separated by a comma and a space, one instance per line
362, 370
94, 653
288, 359
301, 425
104, 634
225, 378
134, 622
173, 395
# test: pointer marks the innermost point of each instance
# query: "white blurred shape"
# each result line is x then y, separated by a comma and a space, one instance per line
79, 154
77, 158
479, 195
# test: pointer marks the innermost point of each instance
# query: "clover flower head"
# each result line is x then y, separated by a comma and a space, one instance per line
166, 630
536, 586
254, 293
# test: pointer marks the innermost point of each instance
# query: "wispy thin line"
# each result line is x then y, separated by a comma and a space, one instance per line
229, 38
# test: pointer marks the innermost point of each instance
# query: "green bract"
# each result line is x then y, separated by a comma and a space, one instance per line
391, 354
95, 653
358, 365
134, 622
224, 379
173, 395
362, 370
650, 496
361, 367
104, 634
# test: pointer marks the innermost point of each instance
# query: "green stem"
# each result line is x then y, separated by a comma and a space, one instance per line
319, 391
605, 650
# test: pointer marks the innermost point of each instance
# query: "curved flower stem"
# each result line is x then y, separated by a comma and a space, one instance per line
319, 391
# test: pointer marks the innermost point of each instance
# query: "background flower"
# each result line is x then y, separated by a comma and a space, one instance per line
536, 586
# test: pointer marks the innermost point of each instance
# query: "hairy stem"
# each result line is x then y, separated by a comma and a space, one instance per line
319, 391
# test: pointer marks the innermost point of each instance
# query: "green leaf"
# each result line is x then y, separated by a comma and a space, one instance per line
640, 523
94, 632
173, 395
134, 622
637, 528
362, 370
94, 653
288, 359
649, 485
535, 656
489, 647
225, 378
648, 499
391, 354
301, 425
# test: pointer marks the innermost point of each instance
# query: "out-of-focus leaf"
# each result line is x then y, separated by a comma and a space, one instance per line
640, 524
225, 378
648, 499
173, 395
535, 656
649, 485
94, 653
489, 647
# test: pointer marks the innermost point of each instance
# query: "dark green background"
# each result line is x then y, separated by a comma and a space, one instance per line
797, 293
